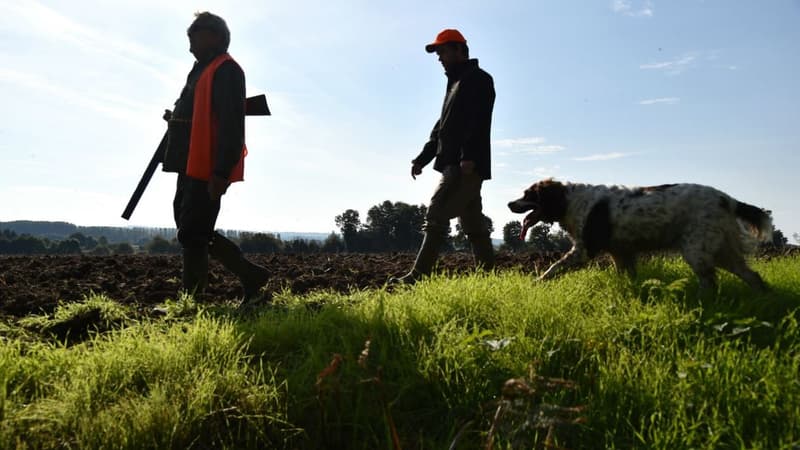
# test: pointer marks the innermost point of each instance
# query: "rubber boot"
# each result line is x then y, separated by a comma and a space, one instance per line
423, 265
482, 251
252, 276
195, 269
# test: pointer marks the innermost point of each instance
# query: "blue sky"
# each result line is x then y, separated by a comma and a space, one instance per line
631, 92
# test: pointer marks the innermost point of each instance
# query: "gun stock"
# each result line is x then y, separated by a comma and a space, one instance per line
257, 106
254, 106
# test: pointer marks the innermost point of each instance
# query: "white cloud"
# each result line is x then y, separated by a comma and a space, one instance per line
546, 172
60, 204
673, 67
114, 106
633, 9
690, 59
662, 100
602, 156
515, 142
31, 18
536, 172
527, 145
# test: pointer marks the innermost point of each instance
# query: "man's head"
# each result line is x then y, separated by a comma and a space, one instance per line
451, 47
208, 35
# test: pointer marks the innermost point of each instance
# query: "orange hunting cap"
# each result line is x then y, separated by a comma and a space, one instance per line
448, 35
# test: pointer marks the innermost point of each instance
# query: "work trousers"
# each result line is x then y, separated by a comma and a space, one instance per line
457, 195
195, 213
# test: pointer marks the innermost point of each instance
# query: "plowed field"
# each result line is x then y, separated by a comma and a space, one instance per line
35, 284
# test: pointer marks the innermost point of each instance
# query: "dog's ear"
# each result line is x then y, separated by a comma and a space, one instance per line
532, 194
553, 199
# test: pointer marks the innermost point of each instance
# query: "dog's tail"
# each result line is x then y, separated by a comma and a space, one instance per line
758, 220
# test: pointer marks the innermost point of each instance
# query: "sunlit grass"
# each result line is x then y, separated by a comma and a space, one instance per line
598, 361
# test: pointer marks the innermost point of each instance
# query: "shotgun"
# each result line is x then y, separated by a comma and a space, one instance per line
254, 106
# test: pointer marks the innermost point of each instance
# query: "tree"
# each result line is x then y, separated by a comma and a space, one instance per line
21, 245
539, 239
260, 243
67, 247
461, 241
778, 239
28, 245
85, 242
544, 239
295, 246
80, 237
100, 250
395, 226
409, 221
302, 246
160, 246
333, 244
511, 236
349, 224
123, 248
560, 240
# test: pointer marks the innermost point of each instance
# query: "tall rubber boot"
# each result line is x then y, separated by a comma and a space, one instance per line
482, 251
195, 269
252, 276
423, 265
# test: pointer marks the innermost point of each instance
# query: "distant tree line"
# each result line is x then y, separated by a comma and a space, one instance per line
24, 244
394, 227
58, 231
541, 237
388, 227
12, 243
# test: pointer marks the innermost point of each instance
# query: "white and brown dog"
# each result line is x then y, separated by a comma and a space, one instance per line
709, 228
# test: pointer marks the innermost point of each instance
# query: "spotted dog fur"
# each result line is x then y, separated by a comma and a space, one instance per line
709, 228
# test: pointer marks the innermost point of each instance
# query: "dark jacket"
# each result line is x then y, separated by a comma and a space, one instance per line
228, 98
462, 132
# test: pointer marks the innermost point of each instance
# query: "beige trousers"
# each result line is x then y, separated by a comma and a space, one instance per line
457, 195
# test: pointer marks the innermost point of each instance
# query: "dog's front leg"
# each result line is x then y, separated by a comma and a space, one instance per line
575, 257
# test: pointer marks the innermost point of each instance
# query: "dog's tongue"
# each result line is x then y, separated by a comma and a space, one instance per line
529, 221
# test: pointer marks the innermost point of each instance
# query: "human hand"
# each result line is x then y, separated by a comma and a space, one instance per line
167, 115
217, 186
467, 167
416, 169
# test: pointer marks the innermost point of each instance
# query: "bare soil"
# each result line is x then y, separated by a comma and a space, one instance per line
35, 284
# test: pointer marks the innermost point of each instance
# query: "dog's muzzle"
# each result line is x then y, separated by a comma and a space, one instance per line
520, 206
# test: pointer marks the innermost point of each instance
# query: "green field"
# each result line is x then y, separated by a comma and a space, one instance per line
590, 360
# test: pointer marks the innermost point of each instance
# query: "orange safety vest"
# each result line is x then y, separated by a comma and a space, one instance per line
203, 139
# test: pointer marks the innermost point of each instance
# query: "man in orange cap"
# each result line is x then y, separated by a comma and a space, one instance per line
460, 145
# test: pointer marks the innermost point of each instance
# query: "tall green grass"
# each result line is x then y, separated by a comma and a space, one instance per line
597, 361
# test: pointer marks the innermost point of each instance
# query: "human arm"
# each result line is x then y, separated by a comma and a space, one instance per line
228, 104
477, 100
427, 154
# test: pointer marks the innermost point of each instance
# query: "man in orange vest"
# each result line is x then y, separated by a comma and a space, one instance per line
205, 146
